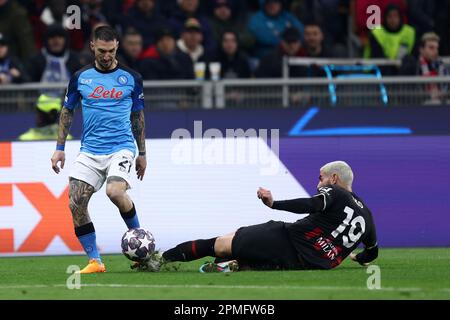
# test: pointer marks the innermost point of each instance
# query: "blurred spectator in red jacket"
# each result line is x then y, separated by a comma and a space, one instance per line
165, 61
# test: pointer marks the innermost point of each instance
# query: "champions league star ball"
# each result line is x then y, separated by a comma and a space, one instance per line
138, 244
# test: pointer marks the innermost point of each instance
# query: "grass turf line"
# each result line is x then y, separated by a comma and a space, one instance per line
405, 274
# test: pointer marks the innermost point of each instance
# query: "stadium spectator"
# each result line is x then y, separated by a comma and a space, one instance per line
268, 24
190, 9
55, 12
191, 41
429, 64
314, 44
114, 10
359, 11
47, 113
224, 18
166, 62
330, 14
144, 18
14, 24
93, 15
234, 63
239, 8
393, 39
272, 64
131, 49
11, 69
56, 62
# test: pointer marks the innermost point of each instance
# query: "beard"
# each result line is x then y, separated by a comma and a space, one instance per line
105, 64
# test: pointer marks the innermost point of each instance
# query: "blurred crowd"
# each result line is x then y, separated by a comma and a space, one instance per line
221, 39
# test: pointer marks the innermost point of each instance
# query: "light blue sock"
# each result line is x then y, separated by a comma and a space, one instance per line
89, 243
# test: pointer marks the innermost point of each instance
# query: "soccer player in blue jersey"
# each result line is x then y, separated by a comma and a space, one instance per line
112, 101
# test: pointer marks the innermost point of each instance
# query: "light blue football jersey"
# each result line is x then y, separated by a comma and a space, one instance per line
107, 100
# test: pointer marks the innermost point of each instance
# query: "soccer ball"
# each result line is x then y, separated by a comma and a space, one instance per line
138, 244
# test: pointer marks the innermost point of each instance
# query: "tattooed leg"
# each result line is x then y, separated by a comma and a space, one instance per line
79, 195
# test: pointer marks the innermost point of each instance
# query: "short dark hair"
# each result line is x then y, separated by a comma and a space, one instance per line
131, 32
312, 23
106, 33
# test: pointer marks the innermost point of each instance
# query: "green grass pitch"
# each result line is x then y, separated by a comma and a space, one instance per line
405, 274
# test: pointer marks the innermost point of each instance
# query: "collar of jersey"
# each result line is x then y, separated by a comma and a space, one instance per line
107, 71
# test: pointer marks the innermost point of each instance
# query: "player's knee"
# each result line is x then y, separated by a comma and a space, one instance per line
114, 194
222, 246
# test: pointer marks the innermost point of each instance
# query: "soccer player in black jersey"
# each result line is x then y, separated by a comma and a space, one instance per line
338, 222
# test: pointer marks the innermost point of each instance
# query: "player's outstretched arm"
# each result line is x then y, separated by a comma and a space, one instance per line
301, 205
65, 121
138, 128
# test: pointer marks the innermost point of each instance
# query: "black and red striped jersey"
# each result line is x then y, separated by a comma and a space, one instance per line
337, 223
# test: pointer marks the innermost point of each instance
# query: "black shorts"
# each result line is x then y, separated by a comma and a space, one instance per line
265, 246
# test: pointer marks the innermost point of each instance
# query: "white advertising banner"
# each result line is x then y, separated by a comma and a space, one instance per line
191, 190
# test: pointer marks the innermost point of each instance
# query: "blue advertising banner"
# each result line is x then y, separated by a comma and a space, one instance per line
314, 121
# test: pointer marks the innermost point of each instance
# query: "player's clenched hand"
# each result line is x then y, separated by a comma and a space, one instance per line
141, 165
58, 156
265, 196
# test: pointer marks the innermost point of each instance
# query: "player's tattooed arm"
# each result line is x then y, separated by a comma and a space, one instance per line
79, 194
65, 121
138, 128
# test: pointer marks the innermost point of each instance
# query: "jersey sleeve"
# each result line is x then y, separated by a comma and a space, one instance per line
73, 96
370, 240
300, 205
138, 94
329, 194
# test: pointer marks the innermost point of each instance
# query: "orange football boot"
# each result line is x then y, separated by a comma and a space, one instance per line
93, 267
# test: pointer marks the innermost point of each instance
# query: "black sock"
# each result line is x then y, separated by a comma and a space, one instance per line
191, 250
